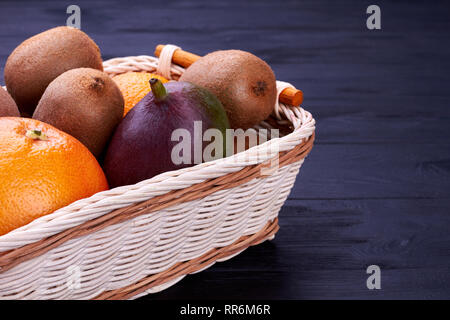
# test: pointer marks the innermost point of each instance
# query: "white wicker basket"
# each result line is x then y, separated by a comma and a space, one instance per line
143, 238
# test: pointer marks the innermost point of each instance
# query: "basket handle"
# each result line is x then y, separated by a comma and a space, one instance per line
289, 96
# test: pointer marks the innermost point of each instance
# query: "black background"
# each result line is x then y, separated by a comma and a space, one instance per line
374, 190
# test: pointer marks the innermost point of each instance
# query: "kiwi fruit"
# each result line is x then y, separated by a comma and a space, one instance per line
85, 103
8, 107
40, 59
244, 83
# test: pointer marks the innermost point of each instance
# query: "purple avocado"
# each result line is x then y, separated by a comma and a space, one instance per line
141, 146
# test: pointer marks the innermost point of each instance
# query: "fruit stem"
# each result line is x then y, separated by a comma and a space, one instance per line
36, 135
158, 89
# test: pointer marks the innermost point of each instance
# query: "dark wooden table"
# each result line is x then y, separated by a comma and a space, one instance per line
376, 187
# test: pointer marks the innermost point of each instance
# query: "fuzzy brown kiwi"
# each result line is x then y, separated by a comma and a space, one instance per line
8, 107
85, 103
244, 83
40, 59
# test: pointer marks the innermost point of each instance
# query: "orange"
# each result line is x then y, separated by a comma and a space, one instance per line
135, 86
42, 169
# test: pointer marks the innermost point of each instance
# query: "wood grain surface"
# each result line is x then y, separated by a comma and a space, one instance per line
376, 187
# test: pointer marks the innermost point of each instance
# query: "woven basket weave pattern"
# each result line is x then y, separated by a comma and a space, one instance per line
139, 239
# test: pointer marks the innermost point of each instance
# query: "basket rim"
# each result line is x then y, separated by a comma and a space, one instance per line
106, 201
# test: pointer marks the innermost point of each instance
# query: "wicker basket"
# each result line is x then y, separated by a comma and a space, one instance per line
139, 239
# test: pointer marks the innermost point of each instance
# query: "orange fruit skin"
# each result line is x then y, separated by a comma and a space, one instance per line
135, 86
37, 176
